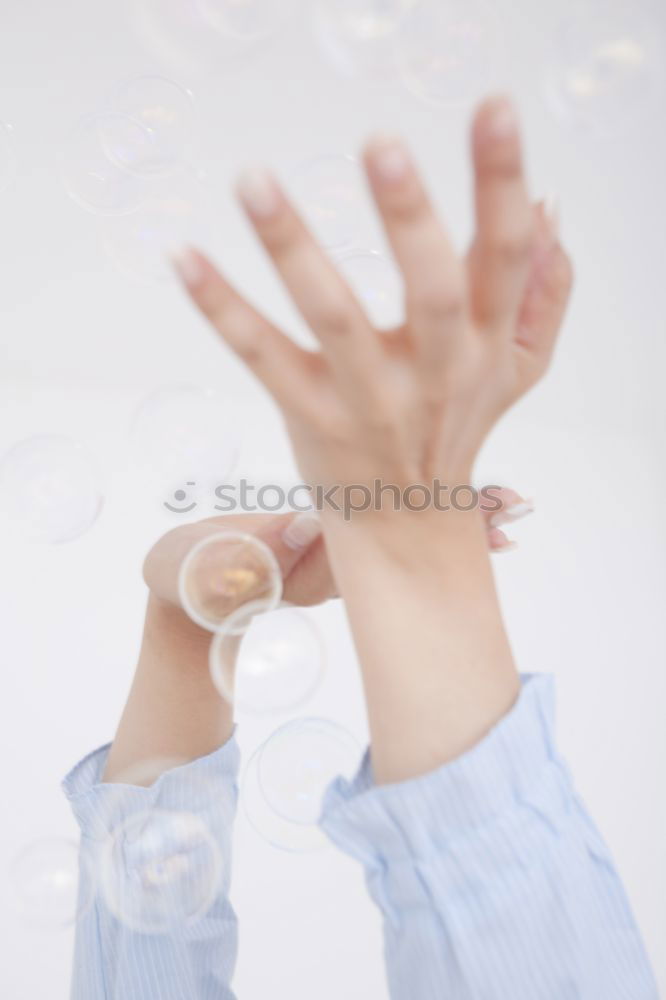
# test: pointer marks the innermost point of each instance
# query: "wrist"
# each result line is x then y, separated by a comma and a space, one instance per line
407, 540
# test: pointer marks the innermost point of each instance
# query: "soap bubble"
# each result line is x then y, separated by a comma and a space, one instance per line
125, 795
160, 869
605, 67
166, 113
298, 763
448, 53
181, 34
140, 244
184, 434
359, 36
93, 180
286, 779
278, 667
246, 19
329, 191
8, 162
229, 572
51, 885
50, 487
378, 285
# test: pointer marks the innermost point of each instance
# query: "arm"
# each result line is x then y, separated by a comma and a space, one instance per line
465, 847
173, 714
174, 752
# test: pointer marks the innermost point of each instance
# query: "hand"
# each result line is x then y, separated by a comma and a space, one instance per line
416, 403
296, 542
404, 408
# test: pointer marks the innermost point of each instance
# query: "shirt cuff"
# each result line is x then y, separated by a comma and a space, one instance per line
100, 807
516, 761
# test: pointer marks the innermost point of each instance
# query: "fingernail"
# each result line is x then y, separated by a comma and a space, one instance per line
498, 541
258, 192
188, 265
302, 530
551, 211
512, 513
509, 547
503, 119
390, 157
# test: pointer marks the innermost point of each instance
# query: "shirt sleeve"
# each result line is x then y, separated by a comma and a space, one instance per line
116, 958
492, 879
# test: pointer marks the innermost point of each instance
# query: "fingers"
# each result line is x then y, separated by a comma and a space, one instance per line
501, 254
285, 369
498, 541
548, 292
292, 537
317, 289
434, 279
512, 508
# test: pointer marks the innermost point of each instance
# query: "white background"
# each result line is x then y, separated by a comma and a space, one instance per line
81, 344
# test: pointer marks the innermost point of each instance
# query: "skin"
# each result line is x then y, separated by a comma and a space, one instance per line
173, 712
403, 408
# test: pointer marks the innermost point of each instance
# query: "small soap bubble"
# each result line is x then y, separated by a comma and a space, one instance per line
448, 53
160, 869
359, 36
92, 177
8, 159
298, 763
278, 667
287, 777
329, 190
141, 243
378, 285
166, 115
50, 487
605, 67
246, 19
52, 886
184, 438
229, 573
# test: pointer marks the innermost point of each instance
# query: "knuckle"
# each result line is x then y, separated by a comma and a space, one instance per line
241, 331
513, 249
332, 315
437, 304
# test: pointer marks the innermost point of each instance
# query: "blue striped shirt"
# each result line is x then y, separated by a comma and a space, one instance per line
493, 882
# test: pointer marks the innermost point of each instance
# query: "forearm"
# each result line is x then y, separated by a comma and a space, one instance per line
436, 662
173, 712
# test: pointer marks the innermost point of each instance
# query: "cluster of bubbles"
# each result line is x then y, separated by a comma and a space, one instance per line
161, 867
443, 53
601, 65
204, 37
267, 659
154, 868
134, 163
